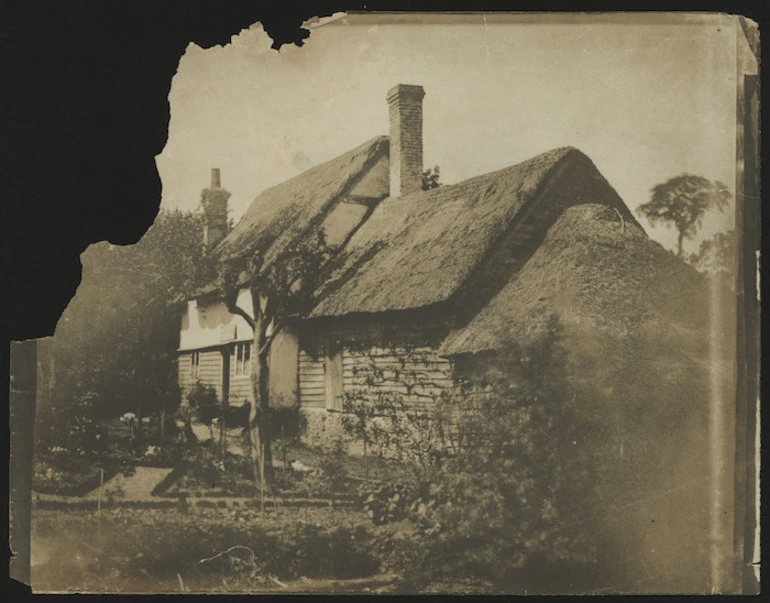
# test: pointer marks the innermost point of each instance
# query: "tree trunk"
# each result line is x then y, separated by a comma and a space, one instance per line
260, 373
680, 241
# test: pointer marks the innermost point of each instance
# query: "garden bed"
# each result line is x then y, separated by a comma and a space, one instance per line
69, 483
299, 471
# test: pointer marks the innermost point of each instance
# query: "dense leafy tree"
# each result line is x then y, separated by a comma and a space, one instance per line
683, 201
115, 345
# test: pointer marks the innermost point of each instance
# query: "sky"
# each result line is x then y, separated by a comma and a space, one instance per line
645, 97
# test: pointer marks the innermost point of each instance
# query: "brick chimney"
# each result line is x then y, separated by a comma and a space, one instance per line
214, 203
405, 105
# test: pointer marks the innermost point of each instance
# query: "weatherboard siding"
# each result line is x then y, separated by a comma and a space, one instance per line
185, 378
209, 371
241, 389
312, 381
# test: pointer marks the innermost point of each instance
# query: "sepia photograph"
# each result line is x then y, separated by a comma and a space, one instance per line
433, 304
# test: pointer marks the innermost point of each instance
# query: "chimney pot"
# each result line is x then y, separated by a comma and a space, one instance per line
215, 180
405, 107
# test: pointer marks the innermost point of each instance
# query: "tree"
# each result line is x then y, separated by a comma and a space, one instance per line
115, 345
716, 256
430, 178
280, 289
683, 201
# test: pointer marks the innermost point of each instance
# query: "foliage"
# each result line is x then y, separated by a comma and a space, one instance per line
205, 467
285, 284
682, 201
76, 440
510, 494
385, 503
203, 403
281, 288
388, 425
507, 492
716, 256
392, 428
430, 178
115, 344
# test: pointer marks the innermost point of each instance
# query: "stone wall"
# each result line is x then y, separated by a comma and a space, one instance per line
407, 367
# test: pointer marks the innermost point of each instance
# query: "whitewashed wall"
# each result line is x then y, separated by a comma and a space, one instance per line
209, 325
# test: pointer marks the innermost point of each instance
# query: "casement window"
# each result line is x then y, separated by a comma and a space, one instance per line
195, 362
243, 358
333, 376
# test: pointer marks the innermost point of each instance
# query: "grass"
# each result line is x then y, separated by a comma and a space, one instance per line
215, 548
290, 550
152, 550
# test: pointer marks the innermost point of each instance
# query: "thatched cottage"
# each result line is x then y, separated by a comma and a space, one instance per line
425, 281
430, 285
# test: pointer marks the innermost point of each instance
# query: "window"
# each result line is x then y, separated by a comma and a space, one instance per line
243, 358
195, 361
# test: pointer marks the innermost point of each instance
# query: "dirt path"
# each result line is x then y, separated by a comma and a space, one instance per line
136, 487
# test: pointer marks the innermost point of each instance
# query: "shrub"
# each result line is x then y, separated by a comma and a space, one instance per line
204, 405
385, 503
511, 496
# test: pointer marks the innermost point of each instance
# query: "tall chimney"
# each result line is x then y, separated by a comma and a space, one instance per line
214, 203
405, 105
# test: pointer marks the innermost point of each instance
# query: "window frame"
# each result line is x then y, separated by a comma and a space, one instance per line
242, 357
195, 364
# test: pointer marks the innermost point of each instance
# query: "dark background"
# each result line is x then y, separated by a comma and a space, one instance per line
84, 111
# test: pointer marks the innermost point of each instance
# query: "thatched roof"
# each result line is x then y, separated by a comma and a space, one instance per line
418, 250
594, 272
285, 212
